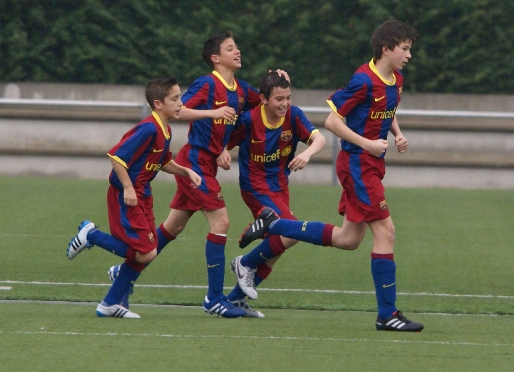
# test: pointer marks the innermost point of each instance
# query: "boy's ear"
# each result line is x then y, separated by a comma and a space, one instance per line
157, 104
264, 100
215, 59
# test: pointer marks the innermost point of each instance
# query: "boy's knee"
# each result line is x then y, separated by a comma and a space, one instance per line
146, 258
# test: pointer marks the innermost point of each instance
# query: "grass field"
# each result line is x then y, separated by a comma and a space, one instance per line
453, 251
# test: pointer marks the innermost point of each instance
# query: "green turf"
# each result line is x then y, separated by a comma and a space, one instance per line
453, 251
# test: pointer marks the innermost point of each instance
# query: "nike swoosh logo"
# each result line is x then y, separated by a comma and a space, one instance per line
379, 98
256, 141
211, 266
156, 150
220, 102
263, 256
239, 275
388, 285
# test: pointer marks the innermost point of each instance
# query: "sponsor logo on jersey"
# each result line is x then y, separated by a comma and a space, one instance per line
152, 167
224, 121
380, 115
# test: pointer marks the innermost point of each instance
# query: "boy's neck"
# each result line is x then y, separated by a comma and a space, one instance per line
384, 69
226, 74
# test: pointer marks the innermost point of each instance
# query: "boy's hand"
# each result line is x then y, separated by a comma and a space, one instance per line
129, 196
225, 112
376, 147
401, 143
196, 180
224, 160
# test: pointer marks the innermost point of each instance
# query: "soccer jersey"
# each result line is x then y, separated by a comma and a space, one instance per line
368, 103
211, 92
266, 150
143, 151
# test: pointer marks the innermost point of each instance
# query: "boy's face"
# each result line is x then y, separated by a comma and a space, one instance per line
229, 57
172, 103
400, 55
278, 102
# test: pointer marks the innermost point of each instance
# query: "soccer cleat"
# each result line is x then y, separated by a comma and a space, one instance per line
222, 307
115, 311
250, 313
245, 278
113, 273
79, 242
397, 322
259, 227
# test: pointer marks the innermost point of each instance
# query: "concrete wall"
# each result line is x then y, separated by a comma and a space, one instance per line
71, 141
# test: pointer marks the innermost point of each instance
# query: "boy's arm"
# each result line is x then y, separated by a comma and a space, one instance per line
179, 170
317, 142
399, 140
225, 112
336, 125
129, 194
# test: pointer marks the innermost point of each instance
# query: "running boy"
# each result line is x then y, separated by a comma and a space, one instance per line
136, 159
267, 138
368, 103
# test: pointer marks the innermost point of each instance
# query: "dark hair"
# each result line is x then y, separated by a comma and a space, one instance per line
213, 44
272, 80
390, 34
158, 89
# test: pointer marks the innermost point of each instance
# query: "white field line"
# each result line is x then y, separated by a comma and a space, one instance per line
268, 338
304, 290
5, 288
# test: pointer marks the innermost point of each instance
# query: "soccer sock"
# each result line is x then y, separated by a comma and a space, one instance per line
306, 231
262, 273
258, 255
215, 256
383, 270
108, 242
122, 285
163, 238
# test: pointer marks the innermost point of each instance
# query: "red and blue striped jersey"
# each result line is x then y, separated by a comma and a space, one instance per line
368, 103
143, 151
266, 150
211, 92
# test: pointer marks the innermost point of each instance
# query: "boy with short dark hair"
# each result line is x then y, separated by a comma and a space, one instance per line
141, 153
368, 103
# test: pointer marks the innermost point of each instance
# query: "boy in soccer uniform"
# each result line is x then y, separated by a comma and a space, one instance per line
136, 159
368, 103
267, 137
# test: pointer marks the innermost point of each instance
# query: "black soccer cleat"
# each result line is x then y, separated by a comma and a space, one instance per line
397, 322
259, 227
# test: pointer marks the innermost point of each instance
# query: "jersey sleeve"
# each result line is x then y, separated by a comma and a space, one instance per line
196, 96
133, 144
304, 127
344, 100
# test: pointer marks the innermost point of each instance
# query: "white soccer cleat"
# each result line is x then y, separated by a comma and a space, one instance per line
245, 278
115, 311
79, 242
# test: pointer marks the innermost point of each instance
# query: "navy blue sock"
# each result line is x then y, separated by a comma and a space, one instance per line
163, 238
108, 242
384, 276
305, 231
215, 256
258, 255
122, 285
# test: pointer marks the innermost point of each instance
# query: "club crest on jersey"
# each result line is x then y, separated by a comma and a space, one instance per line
286, 135
383, 205
151, 237
220, 196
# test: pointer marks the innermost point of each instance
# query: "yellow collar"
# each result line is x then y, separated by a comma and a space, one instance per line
234, 86
374, 69
265, 120
158, 119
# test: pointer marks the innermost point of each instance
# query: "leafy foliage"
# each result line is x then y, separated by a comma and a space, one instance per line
464, 45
